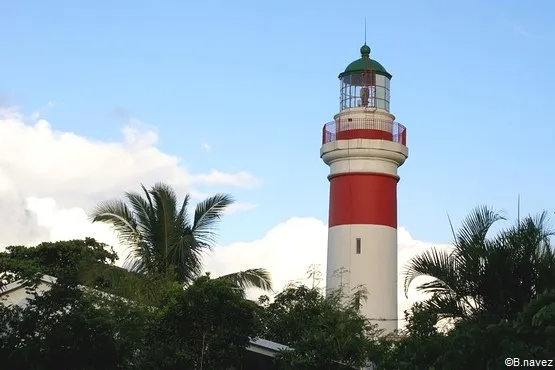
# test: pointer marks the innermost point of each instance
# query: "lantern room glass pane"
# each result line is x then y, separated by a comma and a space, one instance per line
380, 80
365, 89
380, 92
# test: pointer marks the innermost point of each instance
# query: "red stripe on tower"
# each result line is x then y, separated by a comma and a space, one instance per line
363, 198
364, 134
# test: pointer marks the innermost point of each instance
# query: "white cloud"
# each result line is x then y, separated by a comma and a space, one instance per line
286, 251
238, 179
43, 170
206, 147
68, 223
289, 249
240, 207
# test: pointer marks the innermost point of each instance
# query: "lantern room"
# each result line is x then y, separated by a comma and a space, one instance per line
365, 84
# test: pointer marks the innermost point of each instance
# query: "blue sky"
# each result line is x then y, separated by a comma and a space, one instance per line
472, 82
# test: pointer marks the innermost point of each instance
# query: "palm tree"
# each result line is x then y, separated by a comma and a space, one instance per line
487, 278
164, 241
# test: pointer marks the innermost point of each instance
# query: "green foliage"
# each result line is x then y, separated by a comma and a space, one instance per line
472, 344
206, 326
491, 344
159, 233
422, 344
325, 333
70, 259
289, 316
500, 290
86, 262
487, 278
421, 322
54, 257
68, 327
252, 278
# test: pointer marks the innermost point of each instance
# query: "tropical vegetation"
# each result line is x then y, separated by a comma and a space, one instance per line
496, 286
487, 278
164, 241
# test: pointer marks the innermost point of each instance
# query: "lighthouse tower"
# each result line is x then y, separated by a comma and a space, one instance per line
364, 146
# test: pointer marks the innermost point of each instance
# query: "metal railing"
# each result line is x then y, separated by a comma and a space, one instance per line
393, 131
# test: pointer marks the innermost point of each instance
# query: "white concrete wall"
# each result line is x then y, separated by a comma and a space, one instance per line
364, 155
375, 268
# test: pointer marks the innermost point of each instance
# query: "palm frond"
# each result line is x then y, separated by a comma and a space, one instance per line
129, 230
165, 206
470, 252
120, 218
476, 226
445, 306
183, 215
186, 257
164, 192
543, 231
143, 211
433, 263
253, 278
142, 260
207, 214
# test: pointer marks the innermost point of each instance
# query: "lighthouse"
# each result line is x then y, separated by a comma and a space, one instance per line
364, 147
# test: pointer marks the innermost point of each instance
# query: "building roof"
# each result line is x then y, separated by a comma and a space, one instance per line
365, 64
266, 347
16, 285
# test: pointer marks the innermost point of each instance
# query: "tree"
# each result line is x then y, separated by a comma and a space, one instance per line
483, 278
526, 337
324, 332
63, 259
67, 326
87, 262
419, 346
164, 240
473, 344
206, 326
536, 325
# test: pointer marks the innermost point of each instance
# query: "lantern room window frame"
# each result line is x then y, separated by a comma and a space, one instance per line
378, 90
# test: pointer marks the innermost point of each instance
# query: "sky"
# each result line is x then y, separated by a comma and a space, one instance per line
97, 97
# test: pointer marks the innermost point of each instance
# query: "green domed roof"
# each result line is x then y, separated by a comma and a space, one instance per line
365, 64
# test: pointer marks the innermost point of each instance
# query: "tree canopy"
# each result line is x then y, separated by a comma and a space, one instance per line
207, 325
487, 278
323, 332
